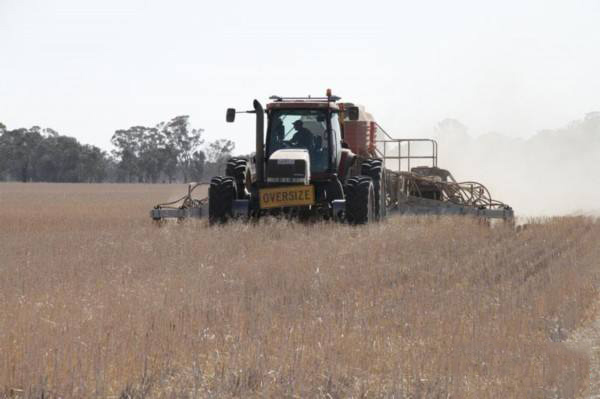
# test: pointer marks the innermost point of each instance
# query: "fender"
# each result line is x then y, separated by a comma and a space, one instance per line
346, 161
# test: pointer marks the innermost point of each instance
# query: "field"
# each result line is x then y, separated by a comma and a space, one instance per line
97, 302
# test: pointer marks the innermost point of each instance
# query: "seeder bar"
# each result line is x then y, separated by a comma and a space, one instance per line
505, 214
178, 213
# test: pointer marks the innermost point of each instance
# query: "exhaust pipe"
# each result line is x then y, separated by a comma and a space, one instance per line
260, 139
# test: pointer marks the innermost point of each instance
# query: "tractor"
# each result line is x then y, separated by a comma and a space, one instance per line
303, 167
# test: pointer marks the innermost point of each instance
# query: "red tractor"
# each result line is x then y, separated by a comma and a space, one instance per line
317, 160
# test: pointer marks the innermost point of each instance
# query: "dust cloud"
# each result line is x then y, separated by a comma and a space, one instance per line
554, 172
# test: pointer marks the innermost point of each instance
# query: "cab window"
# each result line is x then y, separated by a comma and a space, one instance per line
301, 128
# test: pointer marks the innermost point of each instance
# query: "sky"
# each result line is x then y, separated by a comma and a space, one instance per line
87, 68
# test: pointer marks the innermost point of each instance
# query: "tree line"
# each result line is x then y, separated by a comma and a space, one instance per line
167, 152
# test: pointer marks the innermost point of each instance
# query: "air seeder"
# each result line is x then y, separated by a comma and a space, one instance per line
326, 159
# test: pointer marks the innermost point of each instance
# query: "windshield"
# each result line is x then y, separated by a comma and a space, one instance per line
301, 128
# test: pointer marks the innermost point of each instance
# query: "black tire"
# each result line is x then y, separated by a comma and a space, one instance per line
221, 194
374, 169
231, 165
360, 200
238, 169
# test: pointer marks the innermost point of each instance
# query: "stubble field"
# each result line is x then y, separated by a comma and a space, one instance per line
97, 302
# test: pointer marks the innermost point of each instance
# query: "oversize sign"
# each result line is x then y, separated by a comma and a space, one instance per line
286, 196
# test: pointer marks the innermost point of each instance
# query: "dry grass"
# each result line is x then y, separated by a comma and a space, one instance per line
97, 302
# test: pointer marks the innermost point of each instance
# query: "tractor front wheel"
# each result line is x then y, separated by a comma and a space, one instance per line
221, 194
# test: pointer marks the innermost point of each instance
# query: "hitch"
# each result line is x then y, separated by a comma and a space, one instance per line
183, 208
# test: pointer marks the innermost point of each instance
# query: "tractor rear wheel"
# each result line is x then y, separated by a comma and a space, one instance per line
221, 194
238, 169
360, 200
374, 169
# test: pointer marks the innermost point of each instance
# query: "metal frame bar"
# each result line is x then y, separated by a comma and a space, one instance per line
505, 214
389, 139
409, 154
178, 213
307, 99
424, 206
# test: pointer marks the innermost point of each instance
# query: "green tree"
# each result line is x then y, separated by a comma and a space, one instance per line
220, 150
38, 154
92, 164
197, 166
17, 148
146, 153
127, 143
184, 142
217, 154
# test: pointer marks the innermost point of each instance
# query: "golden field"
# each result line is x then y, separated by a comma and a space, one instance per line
97, 302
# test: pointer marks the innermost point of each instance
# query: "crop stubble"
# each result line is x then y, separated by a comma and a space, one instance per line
95, 301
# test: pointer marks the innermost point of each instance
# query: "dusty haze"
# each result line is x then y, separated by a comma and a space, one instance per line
554, 172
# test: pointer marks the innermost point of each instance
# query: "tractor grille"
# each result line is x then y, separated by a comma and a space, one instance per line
284, 171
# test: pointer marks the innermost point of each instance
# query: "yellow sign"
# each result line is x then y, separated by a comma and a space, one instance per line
286, 196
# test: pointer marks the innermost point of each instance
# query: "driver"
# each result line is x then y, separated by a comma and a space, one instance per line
279, 131
303, 137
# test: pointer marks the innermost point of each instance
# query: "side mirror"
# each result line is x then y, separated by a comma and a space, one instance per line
353, 113
230, 115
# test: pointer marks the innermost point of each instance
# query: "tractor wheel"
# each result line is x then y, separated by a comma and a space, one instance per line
374, 169
221, 194
360, 200
238, 169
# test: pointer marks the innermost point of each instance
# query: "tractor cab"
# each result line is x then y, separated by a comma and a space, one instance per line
302, 128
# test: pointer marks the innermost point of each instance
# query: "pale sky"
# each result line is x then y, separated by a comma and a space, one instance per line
87, 68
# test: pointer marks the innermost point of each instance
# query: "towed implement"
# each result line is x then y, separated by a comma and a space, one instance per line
325, 159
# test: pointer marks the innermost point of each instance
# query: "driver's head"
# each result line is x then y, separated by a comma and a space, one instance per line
298, 124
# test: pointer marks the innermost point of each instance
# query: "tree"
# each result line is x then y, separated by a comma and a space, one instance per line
220, 150
38, 154
16, 150
217, 154
127, 143
147, 153
92, 164
197, 166
3, 151
183, 140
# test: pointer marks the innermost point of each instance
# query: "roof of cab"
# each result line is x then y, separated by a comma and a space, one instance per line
328, 102
298, 104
